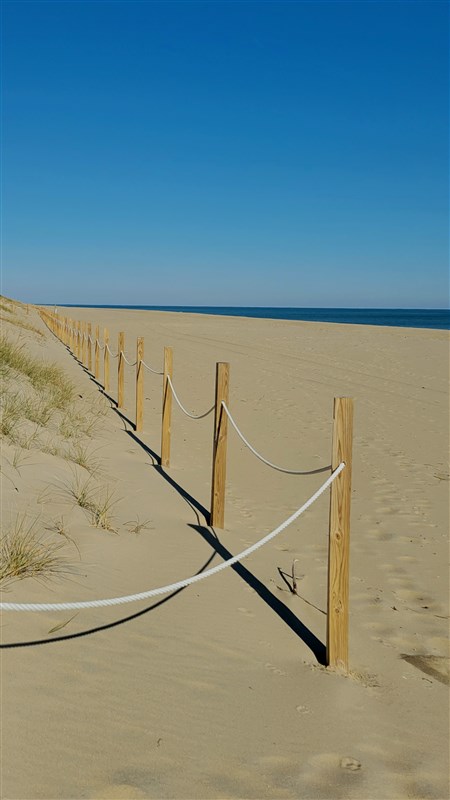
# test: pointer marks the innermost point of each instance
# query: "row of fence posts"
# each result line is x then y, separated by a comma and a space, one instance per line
78, 337
84, 342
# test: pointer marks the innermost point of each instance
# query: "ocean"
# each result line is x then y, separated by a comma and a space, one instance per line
438, 319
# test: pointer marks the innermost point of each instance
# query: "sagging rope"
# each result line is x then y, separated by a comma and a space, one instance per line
184, 410
115, 601
265, 460
150, 369
113, 355
130, 363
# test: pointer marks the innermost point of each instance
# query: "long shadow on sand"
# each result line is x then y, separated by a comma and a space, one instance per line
210, 536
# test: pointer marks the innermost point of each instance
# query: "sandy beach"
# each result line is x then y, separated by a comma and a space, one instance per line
217, 691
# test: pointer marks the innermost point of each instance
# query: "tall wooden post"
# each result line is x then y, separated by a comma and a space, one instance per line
71, 335
84, 343
120, 370
89, 330
79, 340
106, 360
166, 407
220, 446
339, 536
97, 353
139, 384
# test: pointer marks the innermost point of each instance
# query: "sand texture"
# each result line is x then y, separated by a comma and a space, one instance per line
217, 690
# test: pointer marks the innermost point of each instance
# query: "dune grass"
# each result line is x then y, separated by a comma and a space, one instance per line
43, 376
96, 501
20, 323
25, 552
32, 391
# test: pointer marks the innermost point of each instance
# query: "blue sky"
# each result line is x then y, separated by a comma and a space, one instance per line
227, 153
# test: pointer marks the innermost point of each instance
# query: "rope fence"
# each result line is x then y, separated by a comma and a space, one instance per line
78, 338
172, 587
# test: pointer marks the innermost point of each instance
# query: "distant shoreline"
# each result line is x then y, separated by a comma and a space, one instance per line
435, 319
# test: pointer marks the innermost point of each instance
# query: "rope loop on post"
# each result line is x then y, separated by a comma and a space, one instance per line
265, 460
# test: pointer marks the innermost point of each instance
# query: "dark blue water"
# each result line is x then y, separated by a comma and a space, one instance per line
397, 317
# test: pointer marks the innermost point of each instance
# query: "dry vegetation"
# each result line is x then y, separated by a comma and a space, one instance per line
25, 552
40, 412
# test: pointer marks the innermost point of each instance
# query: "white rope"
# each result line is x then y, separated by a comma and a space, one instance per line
150, 369
114, 355
130, 363
100, 346
192, 416
172, 587
264, 460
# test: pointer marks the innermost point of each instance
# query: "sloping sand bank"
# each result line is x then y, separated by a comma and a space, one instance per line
216, 691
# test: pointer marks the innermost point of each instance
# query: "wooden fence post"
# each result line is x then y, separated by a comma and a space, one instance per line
78, 340
106, 360
97, 353
166, 407
89, 330
120, 370
139, 384
71, 335
84, 343
220, 446
339, 536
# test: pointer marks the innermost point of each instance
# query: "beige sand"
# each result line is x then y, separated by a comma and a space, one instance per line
215, 692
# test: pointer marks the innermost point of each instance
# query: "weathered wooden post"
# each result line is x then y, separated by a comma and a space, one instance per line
84, 343
97, 353
166, 407
139, 384
120, 370
339, 536
79, 340
106, 360
89, 330
220, 446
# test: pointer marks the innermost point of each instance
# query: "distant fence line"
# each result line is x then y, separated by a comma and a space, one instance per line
86, 346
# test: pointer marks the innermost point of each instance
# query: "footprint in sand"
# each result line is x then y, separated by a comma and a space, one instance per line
275, 670
246, 612
303, 709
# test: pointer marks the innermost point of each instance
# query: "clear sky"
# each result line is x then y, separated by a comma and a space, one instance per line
225, 153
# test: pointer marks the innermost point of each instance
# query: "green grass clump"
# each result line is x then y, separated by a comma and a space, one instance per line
83, 457
25, 552
11, 412
97, 502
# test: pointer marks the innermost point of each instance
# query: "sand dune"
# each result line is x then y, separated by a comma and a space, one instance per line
216, 691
